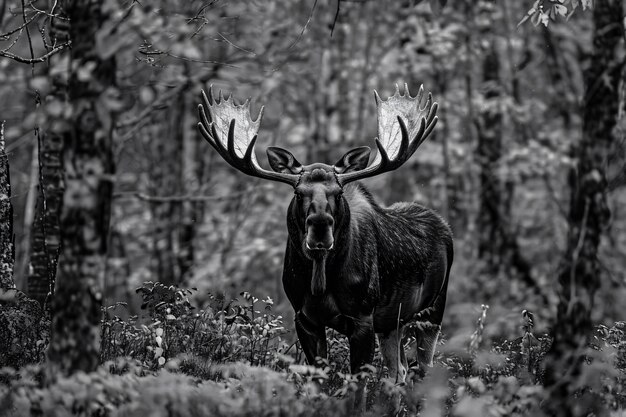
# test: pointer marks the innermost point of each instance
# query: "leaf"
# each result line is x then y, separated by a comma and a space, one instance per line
158, 352
84, 71
42, 84
560, 10
529, 14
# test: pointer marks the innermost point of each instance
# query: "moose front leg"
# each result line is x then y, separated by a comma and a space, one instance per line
362, 343
312, 338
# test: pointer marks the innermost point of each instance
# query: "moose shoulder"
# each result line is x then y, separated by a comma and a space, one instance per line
351, 264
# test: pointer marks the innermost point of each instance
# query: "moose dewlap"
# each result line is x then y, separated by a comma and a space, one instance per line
351, 264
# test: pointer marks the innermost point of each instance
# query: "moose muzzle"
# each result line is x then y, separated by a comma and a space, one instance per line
319, 232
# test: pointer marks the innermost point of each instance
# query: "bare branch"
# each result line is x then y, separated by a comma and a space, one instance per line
184, 198
183, 58
5, 36
236, 46
30, 41
43, 58
51, 13
165, 100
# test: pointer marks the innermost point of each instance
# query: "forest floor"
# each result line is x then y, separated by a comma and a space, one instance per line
235, 359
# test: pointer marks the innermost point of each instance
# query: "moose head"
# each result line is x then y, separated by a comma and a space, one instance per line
318, 213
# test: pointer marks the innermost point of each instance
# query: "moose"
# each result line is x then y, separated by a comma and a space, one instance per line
350, 263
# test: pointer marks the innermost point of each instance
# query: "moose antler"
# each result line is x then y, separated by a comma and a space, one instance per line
229, 128
403, 125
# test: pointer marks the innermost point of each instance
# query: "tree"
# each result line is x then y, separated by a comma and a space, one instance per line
580, 273
85, 123
497, 243
7, 250
45, 238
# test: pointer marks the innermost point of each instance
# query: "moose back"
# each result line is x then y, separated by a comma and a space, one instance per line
351, 264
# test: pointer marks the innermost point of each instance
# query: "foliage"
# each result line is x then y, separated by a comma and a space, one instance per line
218, 333
229, 358
24, 330
544, 11
183, 216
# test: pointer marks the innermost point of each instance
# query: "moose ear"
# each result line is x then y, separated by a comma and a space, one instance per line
282, 160
354, 160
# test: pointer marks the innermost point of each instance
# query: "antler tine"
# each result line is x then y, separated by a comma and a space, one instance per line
403, 125
207, 127
420, 95
231, 131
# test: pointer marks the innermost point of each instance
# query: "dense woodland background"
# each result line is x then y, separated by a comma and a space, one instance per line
113, 189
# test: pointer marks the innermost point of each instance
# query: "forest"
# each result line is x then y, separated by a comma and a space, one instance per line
141, 274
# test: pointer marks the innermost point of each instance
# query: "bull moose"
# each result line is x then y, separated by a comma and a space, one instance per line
350, 263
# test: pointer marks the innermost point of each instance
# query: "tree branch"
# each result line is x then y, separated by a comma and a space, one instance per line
184, 198
43, 58
6, 35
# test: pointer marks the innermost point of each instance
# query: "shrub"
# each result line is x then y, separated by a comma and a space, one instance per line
24, 330
231, 358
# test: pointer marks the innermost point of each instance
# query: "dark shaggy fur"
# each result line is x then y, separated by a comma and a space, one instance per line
389, 266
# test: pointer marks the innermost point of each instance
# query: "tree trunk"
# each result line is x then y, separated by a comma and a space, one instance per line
580, 272
45, 237
7, 249
489, 151
166, 181
28, 218
84, 220
189, 209
497, 244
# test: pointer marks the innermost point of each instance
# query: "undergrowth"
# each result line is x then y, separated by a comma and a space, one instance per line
235, 358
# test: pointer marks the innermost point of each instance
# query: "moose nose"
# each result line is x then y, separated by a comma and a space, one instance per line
319, 235
320, 220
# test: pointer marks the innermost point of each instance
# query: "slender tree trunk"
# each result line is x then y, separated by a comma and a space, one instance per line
46, 233
489, 151
580, 272
88, 168
45, 237
7, 248
166, 181
28, 218
497, 243
189, 209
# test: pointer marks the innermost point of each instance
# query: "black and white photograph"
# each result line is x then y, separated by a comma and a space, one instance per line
313, 208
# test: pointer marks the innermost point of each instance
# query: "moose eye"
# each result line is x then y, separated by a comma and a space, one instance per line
298, 196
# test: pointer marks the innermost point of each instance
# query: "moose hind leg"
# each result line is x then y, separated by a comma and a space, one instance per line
394, 358
426, 335
312, 338
392, 351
